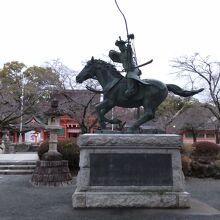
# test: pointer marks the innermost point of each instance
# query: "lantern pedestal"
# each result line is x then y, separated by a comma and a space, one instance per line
51, 173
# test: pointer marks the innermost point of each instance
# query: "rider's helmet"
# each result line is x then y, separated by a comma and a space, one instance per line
120, 43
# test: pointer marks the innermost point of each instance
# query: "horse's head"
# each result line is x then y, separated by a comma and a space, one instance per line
88, 72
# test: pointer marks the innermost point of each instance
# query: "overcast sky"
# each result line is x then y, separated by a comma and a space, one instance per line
36, 31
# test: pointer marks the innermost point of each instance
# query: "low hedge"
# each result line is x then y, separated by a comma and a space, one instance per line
68, 148
205, 148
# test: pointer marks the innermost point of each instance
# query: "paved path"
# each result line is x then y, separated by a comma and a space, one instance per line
19, 200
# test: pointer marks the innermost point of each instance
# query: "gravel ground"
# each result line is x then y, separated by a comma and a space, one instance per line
20, 200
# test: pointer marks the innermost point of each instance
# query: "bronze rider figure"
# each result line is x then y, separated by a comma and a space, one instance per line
126, 57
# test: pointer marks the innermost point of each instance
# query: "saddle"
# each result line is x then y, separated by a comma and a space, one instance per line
147, 82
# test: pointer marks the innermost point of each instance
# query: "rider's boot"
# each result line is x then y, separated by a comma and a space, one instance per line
130, 88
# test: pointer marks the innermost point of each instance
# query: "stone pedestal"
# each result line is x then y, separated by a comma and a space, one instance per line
130, 170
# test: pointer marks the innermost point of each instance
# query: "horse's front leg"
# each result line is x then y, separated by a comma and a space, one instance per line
148, 115
101, 110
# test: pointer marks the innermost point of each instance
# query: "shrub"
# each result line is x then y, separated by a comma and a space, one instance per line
205, 148
68, 148
203, 169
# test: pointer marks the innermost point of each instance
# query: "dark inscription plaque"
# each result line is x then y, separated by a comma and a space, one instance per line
131, 170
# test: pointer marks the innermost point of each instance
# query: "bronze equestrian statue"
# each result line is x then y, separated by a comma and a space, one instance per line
129, 91
148, 93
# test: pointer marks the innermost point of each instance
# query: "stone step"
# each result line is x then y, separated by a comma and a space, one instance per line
18, 162
17, 167
16, 172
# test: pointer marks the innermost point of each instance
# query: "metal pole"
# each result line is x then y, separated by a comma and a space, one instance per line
112, 118
22, 109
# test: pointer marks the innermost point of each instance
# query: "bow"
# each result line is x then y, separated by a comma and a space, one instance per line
126, 24
129, 36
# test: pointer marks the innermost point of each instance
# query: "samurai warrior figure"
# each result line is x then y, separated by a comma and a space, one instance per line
127, 59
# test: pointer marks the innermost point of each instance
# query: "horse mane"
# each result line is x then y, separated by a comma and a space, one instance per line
109, 66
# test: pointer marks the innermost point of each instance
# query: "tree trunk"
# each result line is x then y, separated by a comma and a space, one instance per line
84, 128
217, 135
194, 134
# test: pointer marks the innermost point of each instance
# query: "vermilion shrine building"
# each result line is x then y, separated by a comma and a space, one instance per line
35, 132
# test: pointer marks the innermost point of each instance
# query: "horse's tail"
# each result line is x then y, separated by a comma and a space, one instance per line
181, 92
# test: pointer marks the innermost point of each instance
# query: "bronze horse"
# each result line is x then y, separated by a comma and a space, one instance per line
149, 93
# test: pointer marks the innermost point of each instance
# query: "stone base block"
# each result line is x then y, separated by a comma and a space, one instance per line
130, 199
126, 170
51, 173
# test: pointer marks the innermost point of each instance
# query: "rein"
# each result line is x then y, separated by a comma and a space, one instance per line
111, 70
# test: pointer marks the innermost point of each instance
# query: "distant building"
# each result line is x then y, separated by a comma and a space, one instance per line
34, 131
195, 123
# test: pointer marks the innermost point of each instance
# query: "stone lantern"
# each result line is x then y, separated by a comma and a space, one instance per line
52, 170
53, 128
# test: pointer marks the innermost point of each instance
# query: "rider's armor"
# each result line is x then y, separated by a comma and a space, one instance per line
125, 56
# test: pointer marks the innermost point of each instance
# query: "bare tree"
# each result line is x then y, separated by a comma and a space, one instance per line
170, 109
79, 105
202, 72
68, 76
75, 100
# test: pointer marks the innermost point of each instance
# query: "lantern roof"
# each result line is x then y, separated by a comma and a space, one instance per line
54, 109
